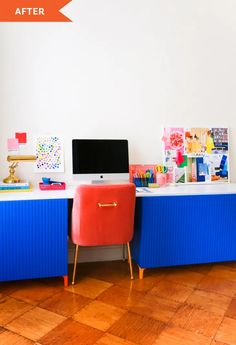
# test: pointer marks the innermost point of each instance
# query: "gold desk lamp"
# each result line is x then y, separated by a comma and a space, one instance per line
15, 160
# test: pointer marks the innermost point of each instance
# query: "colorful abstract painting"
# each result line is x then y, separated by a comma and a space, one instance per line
49, 154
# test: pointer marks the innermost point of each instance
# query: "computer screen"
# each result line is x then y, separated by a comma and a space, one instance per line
101, 158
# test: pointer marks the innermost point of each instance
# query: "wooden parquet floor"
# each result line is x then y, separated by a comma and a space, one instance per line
188, 305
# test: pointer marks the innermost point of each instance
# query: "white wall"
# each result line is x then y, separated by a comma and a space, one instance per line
122, 69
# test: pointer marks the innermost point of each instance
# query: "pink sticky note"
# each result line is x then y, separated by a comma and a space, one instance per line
12, 144
21, 137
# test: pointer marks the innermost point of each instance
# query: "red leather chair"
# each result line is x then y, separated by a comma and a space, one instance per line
103, 215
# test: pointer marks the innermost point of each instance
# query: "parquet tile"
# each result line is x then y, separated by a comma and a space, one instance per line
156, 307
9, 338
210, 301
184, 277
172, 291
33, 292
179, 336
99, 315
11, 308
215, 342
71, 332
218, 285
227, 331
199, 268
109, 339
223, 271
188, 305
89, 287
196, 320
138, 329
65, 303
120, 297
141, 285
231, 311
35, 323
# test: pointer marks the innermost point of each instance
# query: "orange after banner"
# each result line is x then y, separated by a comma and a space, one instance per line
32, 11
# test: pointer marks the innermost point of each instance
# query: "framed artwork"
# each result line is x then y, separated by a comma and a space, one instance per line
49, 154
196, 155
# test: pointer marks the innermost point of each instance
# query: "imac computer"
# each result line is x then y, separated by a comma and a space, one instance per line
100, 160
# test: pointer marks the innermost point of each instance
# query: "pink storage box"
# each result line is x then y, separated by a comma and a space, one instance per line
51, 186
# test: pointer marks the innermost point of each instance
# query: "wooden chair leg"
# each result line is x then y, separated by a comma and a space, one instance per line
130, 261
75, 263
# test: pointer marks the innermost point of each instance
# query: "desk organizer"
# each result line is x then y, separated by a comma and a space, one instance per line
145, 175
142, 175
44, 186
142, 181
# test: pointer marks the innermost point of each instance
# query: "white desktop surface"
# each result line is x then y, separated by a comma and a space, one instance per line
189, 189
37, 194
177, 190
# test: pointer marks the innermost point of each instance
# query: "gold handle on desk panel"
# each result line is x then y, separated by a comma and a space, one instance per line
113, 204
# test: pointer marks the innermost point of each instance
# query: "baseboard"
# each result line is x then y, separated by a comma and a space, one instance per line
100, 253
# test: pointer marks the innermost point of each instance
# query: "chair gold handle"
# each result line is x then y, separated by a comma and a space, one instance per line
113, 204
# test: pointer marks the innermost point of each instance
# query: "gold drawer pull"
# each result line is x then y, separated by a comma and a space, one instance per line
113, 204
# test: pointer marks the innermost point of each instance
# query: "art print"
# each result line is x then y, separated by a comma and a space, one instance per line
49, 154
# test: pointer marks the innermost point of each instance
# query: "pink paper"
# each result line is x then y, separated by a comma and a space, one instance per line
12, 144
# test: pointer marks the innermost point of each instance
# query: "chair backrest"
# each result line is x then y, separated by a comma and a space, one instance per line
103, 214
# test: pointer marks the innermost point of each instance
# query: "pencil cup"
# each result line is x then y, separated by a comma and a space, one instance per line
161, 179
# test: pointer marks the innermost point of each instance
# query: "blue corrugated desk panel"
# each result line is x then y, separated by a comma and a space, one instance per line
33, 239
180, 230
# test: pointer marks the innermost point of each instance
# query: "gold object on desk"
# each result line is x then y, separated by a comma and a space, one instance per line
15, 160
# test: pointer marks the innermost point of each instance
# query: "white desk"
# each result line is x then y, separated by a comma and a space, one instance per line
188, 224
178, 190
33, 235
38, 194
174, 225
